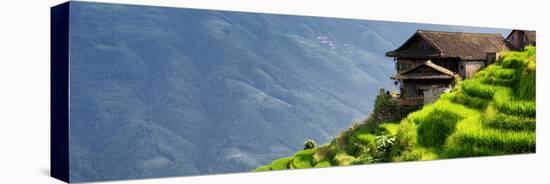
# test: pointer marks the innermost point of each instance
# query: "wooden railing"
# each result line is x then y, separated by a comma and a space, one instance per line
409, 101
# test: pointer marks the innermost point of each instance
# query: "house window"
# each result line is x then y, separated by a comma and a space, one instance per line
404, 66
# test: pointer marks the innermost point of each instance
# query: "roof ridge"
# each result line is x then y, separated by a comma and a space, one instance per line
456, 32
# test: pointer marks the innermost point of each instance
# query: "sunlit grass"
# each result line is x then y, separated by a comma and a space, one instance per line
494, 113
303, 159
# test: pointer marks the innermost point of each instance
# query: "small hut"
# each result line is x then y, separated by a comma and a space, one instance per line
518, 39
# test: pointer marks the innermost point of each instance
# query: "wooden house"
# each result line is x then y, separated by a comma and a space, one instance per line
518, 39
429, 61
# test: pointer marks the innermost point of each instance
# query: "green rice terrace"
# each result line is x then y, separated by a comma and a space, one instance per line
491, 114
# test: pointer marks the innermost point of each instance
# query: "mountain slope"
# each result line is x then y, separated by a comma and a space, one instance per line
491, 114
170, 91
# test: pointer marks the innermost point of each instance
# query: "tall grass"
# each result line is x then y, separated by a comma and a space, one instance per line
478, 89
506, 103
470, 101
433, 131
527, 86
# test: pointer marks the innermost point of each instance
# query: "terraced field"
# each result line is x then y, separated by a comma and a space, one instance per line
491, 114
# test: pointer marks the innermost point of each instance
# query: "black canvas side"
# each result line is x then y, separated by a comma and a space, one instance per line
59, 91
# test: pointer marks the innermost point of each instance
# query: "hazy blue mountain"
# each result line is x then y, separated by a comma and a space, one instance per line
166, 91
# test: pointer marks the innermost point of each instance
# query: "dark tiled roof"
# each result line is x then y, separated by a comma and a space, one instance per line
467, 46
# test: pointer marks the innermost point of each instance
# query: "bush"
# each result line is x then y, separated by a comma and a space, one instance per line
387, 109
322, 153
309, 144
384, 144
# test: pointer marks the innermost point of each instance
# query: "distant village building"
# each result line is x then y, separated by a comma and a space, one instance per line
429, 61
518, 39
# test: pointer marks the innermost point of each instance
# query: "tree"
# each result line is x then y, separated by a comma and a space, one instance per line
309, 144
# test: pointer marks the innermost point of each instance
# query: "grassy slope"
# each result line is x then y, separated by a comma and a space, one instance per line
491, 114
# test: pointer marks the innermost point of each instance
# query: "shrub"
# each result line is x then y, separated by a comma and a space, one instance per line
309, 144
384, 144
387, 109
322, 153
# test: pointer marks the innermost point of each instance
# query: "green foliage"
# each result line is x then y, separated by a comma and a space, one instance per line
470, 101
364, 159
478, 89
389, 128
303, 159
263, 168
365, 138
342, 159
418, 153
324, 163
309, 144
493, 113
323, 153
508, 122
506, 103
496, 75
384, 144
387, 109
526, 87
435, 128
406, 137
281, 164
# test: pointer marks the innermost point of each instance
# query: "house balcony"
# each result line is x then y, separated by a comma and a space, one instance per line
411, 101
